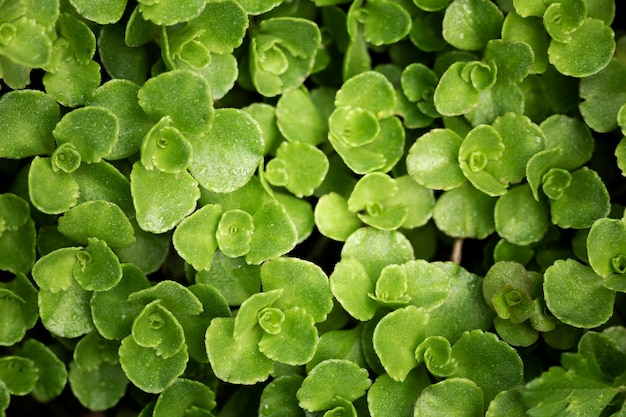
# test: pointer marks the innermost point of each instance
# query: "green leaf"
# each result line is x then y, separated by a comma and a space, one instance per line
17, 234
464, 309
54, 271
274, 234
575, 294
52, 372
530, 31
161, 199
330, 379
469, 24
27, 119
460, 397
194, 238
572, 136
112, 313
148, 252
299, 167
18, 374
18, 300
169, 94
73, 81
100, 388
298, 118
81, 41
594, 40
558, 391
170, 12
389, 398
606, 247
121, 61
561, 19
295, 341
164, 147
476, 348
570, 212
370, 91
509, 290
243, 365
184, 396
149, 371
436, 353
156, 327
26, 42
102, 181
351, 286
602, 96
455, 94
517, 228
432, 160
98, 12
97, 268
66, 313
100, 219
514, 60
375, 249
225, 157
476, 220
333, 218
481, 146
353, 126
282, 54
396, 337
279, 397
173, 296
92, 130
384, 22
234, 233
339, 344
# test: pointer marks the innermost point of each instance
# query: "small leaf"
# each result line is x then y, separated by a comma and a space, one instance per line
26, 42
226, 156
460, 397
572, 136
351, 286
606, 247
558, 391
469, 24
475, 220
98, 12
375, 249
66, 313
74, 80
299, 167
384, 22
454, 95
593, 304
302, 284
333, 218
432, 160
149, 371
279, 397
183, 396
100, 219
156, 327
97, 268
52, 371
530, 31
161, 199
476, 348
54, 271
164, 147
243, 365
330, 379
27, 119
602, 96
274, 234
370, 91
479, 149
194, 238
594, 40
170, 12
298, 119
60, 192
173, 296
517, 228
92, 130
570, 212
295, 341
389, 398
18, 300
18, 374
112, 313
170, 94
396, 337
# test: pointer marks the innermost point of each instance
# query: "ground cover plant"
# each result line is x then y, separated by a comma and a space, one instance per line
378, 208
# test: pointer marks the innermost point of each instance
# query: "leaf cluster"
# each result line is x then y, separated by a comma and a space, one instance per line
377, 208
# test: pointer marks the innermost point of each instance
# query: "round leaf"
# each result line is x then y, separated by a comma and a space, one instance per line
183, 396
456, 396
226, 156
194, 238
575, 295
50, 191
469, 24
519, 218
102, 13
97, 268
66, 313
170, 12
52, 372
606, 246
